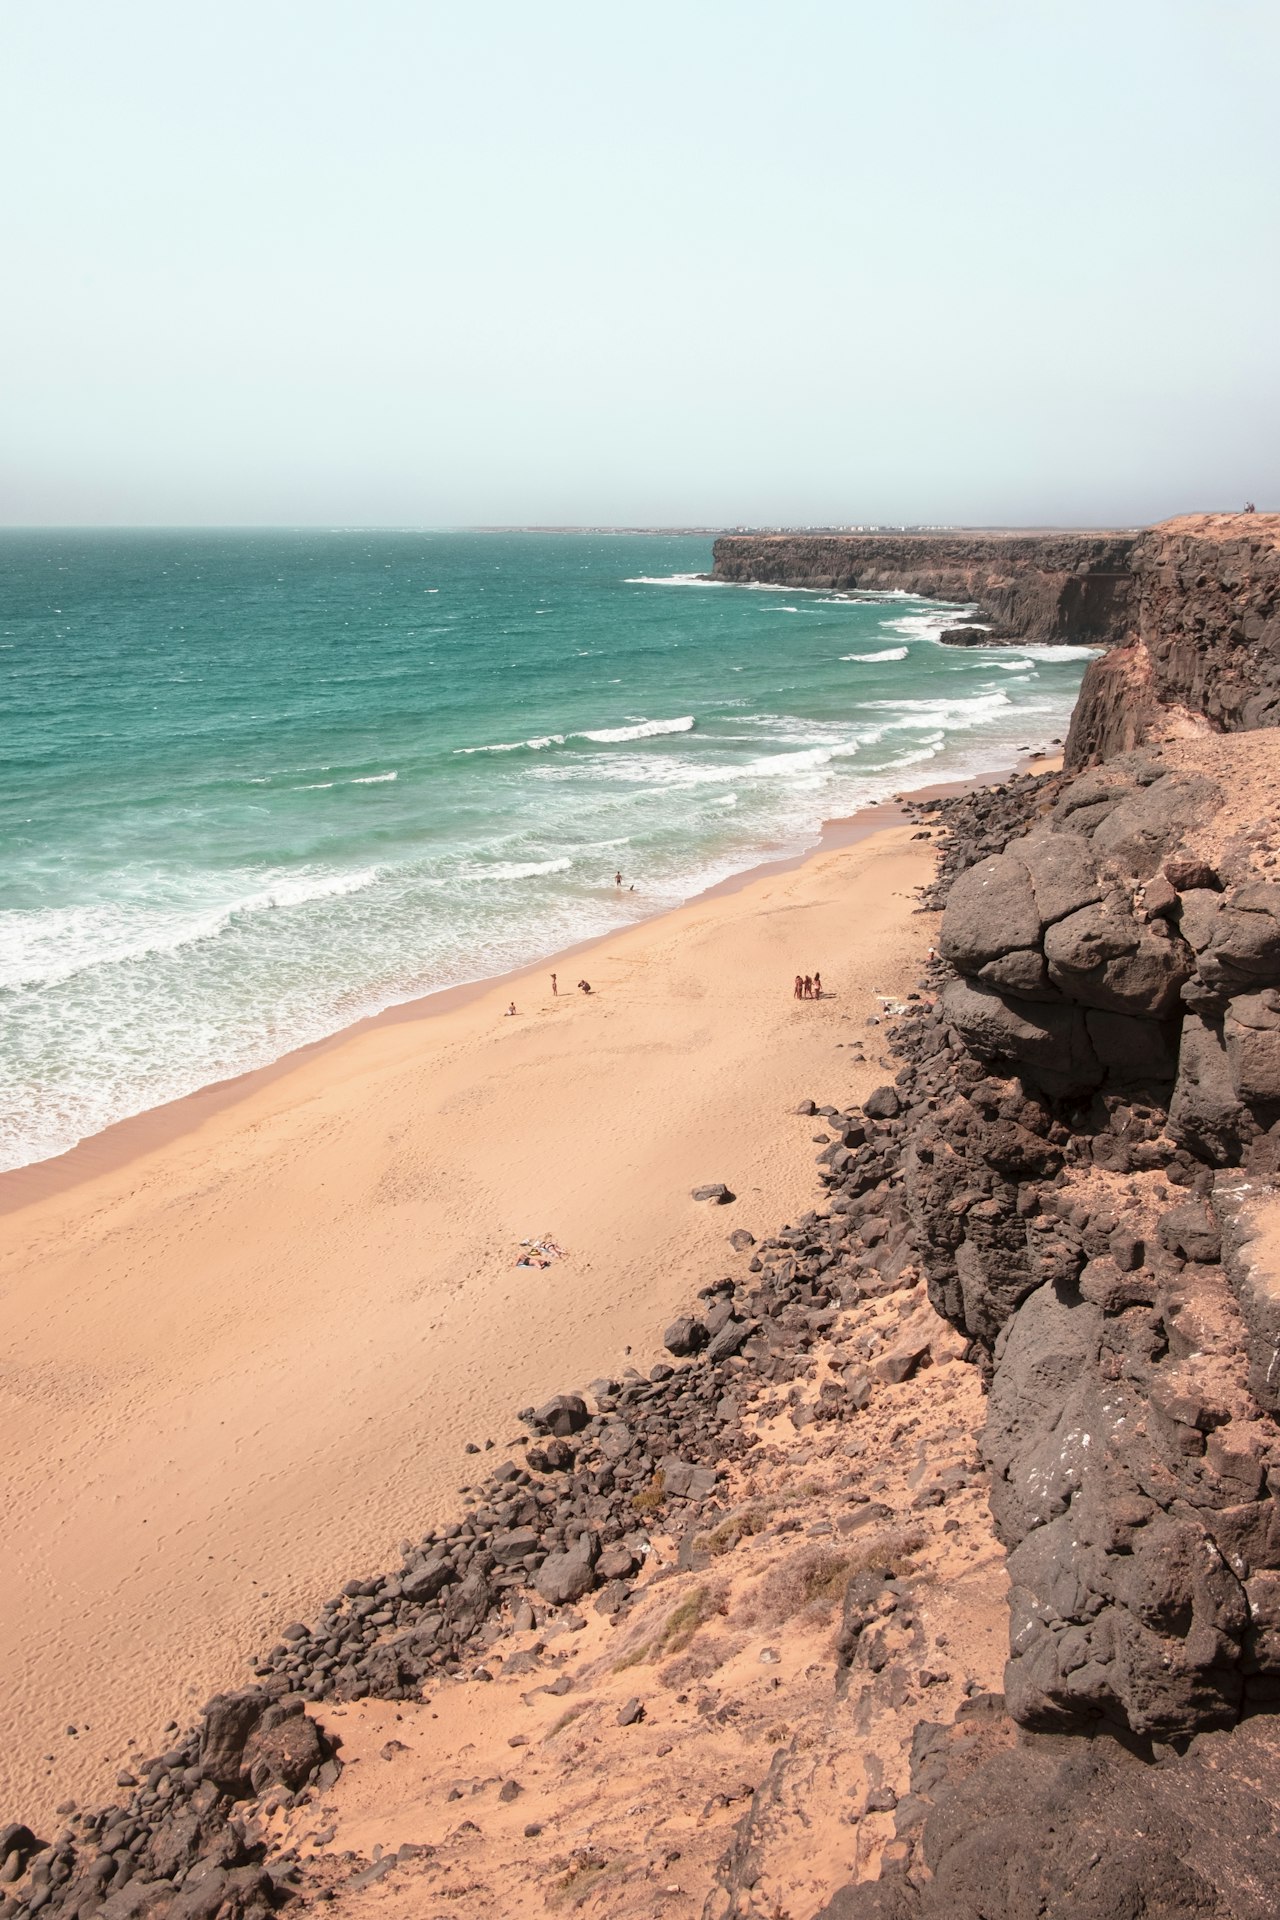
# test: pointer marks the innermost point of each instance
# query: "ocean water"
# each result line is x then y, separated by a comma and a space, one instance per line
255, 786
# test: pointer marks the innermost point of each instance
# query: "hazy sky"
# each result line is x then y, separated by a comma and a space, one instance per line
389, 261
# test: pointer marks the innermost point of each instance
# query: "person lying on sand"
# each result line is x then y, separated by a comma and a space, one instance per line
540, 1253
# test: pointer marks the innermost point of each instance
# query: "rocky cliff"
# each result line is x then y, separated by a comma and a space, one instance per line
1037, 587
1203, 646
1083, 1154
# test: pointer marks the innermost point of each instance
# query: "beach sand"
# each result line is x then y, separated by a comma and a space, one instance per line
247, 1340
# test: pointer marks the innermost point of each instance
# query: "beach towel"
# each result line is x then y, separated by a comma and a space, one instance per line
540, 1253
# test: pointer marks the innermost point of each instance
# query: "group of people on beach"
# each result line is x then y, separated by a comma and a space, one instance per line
584, 986
808, 986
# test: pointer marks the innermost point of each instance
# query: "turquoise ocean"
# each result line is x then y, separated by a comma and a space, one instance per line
254, 786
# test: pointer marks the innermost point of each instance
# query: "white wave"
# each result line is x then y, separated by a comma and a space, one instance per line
924, 626
701, 580
867, 596
514, 870
977, 703
49, 945
886, 653
1011, 666
643, 730
374, 779
781, 609
1061, 653
673, 580
516, 746
316, 786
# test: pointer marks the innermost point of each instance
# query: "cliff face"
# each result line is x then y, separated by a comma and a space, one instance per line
1038, 587
1204, 647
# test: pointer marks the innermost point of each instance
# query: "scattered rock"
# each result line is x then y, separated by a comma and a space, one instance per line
686, 1335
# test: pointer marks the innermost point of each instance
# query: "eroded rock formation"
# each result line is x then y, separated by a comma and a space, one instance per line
1203, 649
1046, 587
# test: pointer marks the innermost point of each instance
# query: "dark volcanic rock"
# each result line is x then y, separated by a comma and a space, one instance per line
565, 1577
1024, 1827
1204, 640
686, 1335
1034, 586
563, 1414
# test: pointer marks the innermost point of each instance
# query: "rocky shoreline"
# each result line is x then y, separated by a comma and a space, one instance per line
1075, 1160
1046, 587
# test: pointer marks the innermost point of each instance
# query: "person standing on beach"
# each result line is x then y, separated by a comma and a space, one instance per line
555, 991
799, 986
817, 986
808, 986
617, 879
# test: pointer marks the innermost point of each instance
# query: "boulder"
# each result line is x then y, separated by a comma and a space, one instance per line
563, 1414
284, 1752
1187, 873
1191, 1231
1206, 1113
616, 1437
1022, 974
229, 1719
425, 1582
901, 1361
468, 1604
565, 1577
1138, 833
733, 1335
686, 1480
686, 1335
990, 910
1103, 957
1235, 936
550, 1456
511, 1548
1062, 871
15, 1838
617, 1562
715, 1192
882, 1104
1052, 1042
1251, 1032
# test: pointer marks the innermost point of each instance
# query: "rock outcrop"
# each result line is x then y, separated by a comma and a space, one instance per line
1203, 649
1036, 587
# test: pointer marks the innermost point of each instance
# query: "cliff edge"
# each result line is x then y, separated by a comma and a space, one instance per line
1047, 587
1203, 649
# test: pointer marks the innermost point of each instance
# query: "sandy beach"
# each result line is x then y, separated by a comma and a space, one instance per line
250, 1335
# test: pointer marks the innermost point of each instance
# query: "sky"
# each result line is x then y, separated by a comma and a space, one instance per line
395, 262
